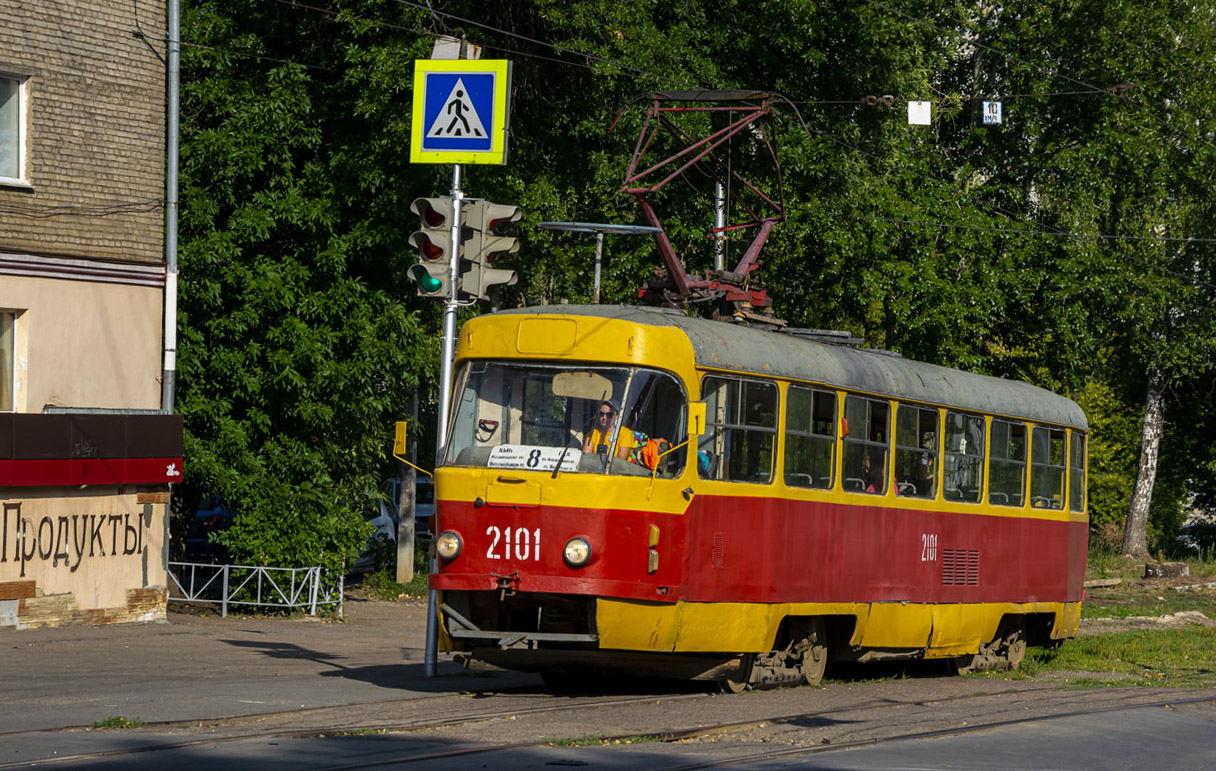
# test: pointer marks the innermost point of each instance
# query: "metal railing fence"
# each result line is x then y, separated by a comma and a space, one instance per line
289, 588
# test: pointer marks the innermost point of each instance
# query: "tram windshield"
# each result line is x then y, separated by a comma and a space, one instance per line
540, 417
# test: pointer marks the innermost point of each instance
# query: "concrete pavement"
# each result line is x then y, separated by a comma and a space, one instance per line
195, 667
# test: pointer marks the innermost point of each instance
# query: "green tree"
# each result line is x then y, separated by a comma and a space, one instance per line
1046, 248
296, 352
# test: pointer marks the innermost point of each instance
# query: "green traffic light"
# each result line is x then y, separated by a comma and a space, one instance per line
426, 282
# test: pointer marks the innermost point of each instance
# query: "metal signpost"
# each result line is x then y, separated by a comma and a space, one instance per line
461, 114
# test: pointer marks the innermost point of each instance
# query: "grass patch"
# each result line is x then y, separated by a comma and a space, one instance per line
382, 584
1109, 563
586, 740
590, 740
1126, 606
1137, 596
360, 732
117, 721
1167, 657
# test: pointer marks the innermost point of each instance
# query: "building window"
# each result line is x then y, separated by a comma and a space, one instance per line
12, 129
8, 360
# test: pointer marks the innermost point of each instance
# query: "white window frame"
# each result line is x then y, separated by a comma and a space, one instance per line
23, 110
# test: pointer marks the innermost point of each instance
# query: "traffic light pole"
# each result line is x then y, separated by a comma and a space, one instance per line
431, 655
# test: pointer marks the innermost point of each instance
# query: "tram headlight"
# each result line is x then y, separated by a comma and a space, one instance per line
577, 552
448, 545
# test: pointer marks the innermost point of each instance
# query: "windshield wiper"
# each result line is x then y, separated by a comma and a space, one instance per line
560, 459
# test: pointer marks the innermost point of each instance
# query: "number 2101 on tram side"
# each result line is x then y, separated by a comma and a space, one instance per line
630, 490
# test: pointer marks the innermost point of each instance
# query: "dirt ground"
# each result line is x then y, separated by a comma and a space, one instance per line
1121, 604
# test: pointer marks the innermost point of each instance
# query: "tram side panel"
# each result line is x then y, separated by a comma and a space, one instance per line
828, 552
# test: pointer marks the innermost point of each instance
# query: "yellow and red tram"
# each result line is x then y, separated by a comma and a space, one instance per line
755, 503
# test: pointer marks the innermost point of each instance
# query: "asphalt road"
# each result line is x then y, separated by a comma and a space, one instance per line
230, 691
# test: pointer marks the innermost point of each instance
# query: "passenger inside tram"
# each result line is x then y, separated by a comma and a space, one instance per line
874, 478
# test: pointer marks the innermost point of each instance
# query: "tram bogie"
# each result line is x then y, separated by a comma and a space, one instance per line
628, 491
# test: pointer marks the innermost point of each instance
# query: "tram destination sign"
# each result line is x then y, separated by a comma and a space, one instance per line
528, 457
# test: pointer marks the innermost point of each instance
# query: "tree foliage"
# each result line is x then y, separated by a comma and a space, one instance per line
1070, 246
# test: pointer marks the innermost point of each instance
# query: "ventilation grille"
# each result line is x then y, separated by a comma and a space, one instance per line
719, 558
960, 567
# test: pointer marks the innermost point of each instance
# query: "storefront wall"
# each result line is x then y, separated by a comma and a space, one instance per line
90, 556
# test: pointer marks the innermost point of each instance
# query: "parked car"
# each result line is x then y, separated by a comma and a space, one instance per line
212, 516
1197, 537
424, 506
385, 522
385, 518
424, 502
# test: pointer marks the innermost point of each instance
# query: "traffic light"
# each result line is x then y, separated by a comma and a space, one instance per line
432, 280
434, 241
484, 244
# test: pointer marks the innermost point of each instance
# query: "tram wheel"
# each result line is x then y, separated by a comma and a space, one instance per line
1004, 652
739, 677
814, 652
1013, 643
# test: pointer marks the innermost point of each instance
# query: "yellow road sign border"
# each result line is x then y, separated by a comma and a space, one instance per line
497, 154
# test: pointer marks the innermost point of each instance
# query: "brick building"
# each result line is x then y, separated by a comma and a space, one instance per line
86, 456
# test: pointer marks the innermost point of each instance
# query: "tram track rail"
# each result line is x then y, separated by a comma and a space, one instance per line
516, 711
915, 736
758, 757
420, 724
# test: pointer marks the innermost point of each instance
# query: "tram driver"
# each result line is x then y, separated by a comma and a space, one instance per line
605, 430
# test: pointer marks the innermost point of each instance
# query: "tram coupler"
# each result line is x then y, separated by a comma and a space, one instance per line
506, 583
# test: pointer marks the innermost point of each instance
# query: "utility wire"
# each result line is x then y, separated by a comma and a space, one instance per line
1058, 234
486, 46
1114, 91
554, 46
133, 207
1045, 233
390, 25
1091, 89
259, 57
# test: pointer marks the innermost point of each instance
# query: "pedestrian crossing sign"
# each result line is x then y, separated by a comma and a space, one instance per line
461, 111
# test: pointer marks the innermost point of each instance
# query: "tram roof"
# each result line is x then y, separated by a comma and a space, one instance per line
723, 345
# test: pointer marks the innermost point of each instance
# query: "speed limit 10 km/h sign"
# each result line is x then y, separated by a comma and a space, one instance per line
461, 111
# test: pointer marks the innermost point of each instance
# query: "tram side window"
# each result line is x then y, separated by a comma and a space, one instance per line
1007, 464
741, 432
1047, 468
1076, 473
916, 451
964, 466
865, 433
810, 437
654, 411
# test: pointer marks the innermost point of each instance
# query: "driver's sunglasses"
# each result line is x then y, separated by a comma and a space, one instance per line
608, 413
